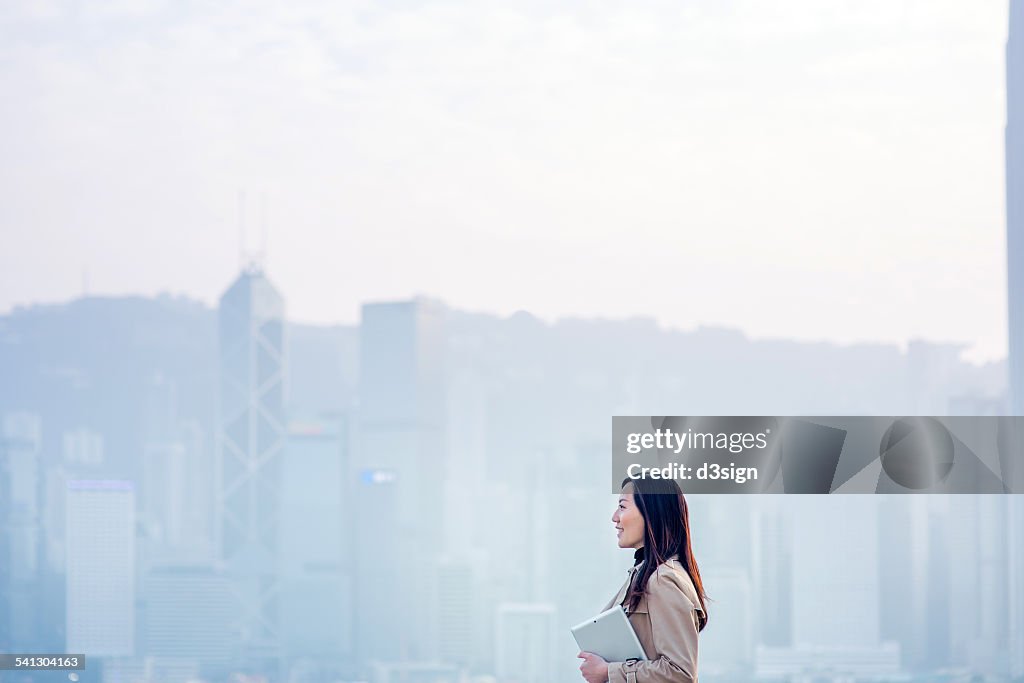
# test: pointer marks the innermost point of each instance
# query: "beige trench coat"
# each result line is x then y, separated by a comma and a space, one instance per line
666, 621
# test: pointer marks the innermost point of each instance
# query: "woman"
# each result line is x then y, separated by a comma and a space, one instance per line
663, 594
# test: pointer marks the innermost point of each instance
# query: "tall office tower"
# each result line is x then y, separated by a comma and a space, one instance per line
989, 652
100, 556
1015, 570
381, 577
772, 574
835, 571
974, 527
1015, 202
401, 429
524, 641
940, 605
20, 441
902, 573
317, 515
401, 406
6, 589
251, 440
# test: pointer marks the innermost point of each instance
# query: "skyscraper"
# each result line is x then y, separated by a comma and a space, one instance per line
20, 450
316, 528
1015, 569
903, 575
400, 430
1015, 202
100, 556
6, 589
772, 574
381, 590
939, 604
251, 439
401, 405
975, 528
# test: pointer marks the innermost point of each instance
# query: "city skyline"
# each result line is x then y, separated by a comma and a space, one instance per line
354, 507
350, 293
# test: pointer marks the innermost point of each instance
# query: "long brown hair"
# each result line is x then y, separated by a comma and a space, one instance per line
666, 533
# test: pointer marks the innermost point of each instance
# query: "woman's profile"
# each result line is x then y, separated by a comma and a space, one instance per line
663, 594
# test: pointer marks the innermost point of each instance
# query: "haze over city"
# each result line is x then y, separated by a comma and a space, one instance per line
789, 169
236, 443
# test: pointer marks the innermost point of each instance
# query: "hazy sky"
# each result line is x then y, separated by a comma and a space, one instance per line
796, 168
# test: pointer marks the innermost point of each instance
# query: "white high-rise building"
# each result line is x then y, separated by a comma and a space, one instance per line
400, 430
317, 614
250, 446
1015, 570
402, 407
100, 575
1015, 202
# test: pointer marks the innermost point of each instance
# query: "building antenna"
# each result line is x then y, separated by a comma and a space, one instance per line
263, 230
241, 229
250, 258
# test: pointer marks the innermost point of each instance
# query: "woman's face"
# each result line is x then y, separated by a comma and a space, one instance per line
628, 521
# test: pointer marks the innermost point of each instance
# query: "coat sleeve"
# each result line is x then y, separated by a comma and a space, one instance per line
674, 634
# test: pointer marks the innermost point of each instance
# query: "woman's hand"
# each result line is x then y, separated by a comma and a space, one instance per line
593, 668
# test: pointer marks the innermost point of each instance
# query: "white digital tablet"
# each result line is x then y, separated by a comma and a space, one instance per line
610, 636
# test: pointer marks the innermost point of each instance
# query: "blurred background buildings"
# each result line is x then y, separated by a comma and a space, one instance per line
423, 498
223, 495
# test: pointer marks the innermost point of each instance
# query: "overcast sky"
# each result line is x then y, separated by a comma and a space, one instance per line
808, 169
